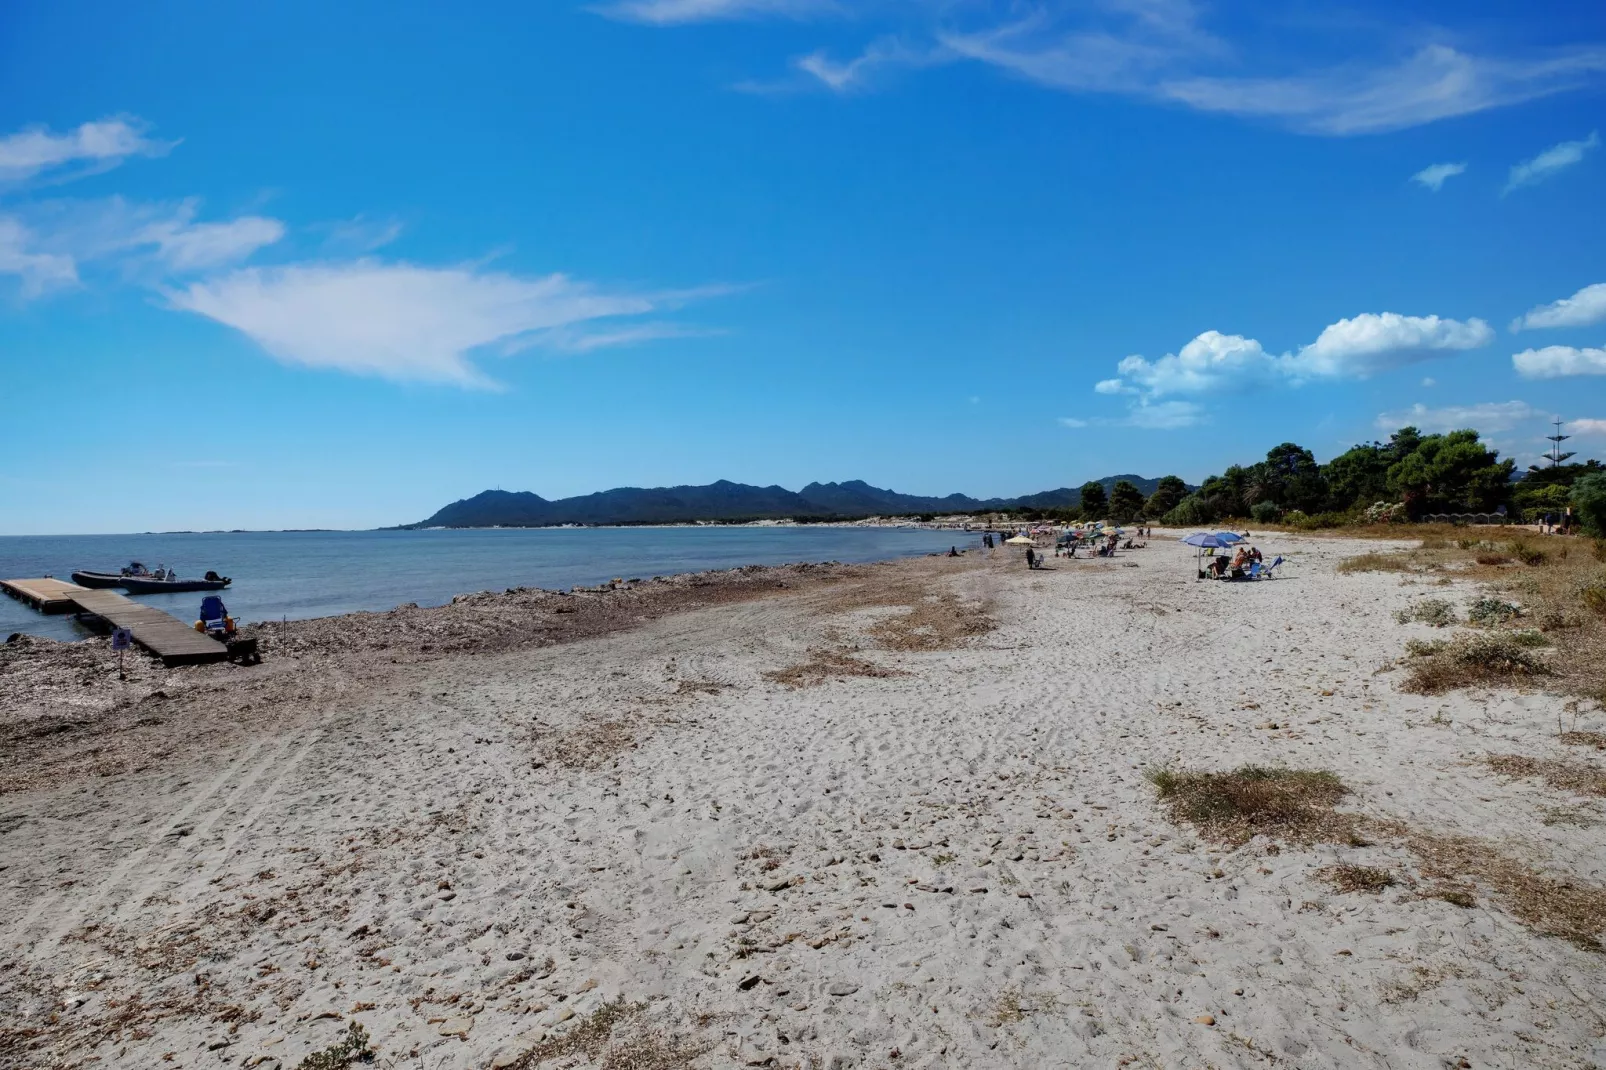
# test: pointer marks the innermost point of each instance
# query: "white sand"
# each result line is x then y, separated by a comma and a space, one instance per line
976, 872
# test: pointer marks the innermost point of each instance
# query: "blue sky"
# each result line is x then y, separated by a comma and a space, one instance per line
336, 265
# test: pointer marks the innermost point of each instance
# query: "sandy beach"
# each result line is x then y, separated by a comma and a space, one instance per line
836, 816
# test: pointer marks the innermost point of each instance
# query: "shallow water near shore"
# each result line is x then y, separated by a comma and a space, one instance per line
295, 575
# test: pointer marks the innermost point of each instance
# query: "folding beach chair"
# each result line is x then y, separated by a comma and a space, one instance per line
1267, 572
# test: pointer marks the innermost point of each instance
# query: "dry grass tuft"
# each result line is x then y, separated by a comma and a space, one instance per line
1487, 659
1460, 895
827, 663
1552, 906
602, 1038
933, 624
1376, 562
1292, 804
590, 746
1585, 739
1347, 877
1557, 773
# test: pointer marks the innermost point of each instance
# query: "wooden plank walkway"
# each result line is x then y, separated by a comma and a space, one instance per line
164, 635
45, 595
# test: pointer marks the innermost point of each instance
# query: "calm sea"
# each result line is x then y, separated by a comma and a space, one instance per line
315, 574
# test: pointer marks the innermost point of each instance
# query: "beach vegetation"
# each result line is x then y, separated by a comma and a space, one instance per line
1588, 498
1346, 877
1434, 611
1471, 659
352, 1047
1560, 774
614, 1037
1490, 612
1296, 805
1376, 562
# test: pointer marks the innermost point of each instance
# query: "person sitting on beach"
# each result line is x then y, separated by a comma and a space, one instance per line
1217, 566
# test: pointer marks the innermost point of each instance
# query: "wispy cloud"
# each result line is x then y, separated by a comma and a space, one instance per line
1495, 416
1433, 176
38, 271
51, 245
676, 12
1558, 362
1554, 159
94, 146
1436, 82
1582, 309
407, 322
1161, 50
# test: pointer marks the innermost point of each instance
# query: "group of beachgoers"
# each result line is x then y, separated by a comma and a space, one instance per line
1240, 564
1099, 543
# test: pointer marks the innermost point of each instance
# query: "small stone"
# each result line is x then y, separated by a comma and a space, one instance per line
446, 897
1206, 1019
590, 983
455, 1027
1023, 894
514, 956
978, 891
1157, 928
841, 988
777, 885
748, 982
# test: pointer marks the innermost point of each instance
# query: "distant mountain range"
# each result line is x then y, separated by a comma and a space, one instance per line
725, 500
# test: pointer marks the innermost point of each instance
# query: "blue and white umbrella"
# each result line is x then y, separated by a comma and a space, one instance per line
1205, 540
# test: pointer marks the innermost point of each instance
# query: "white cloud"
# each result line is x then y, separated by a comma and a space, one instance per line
1430, 382
1349, 349
1489, 417
1586, 307
97, 146
184, 245
1554, 362
1372, 342
674, 12
1072, 421
1210, 360
1437, 82
38, 271
1165, 415
1434, 175
1547, 163
1586, 428
399, 321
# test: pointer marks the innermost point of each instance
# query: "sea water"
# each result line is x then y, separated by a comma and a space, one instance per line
299, 574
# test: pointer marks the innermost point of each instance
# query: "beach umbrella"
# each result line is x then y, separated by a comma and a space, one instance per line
1019, 540
1202, 540
1228, 538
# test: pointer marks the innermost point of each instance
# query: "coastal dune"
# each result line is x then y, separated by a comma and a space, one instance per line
894, 815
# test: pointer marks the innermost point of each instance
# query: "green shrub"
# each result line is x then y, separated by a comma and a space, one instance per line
1589, 503
1265, 512
1434, 611
1491, 612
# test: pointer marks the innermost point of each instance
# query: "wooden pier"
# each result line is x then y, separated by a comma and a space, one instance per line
46, 595
164, 635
